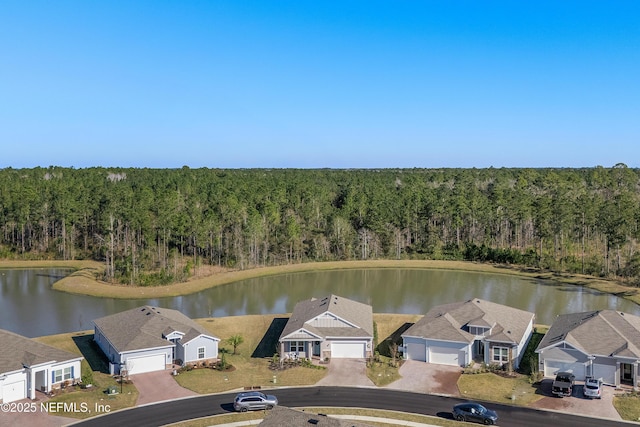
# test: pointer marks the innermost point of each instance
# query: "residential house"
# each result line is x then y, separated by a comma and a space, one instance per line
147, 339
603, 344
27, 366
328, 327
283, 416
474, 330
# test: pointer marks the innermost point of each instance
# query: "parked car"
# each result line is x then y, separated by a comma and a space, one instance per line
474, 412
592, 388
253, 400
563, 384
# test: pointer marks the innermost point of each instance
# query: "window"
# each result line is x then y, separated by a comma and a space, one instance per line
200, 352
476, 330
500, 354
60, 375
296, 346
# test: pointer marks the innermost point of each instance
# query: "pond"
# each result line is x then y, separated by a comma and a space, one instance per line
30, 307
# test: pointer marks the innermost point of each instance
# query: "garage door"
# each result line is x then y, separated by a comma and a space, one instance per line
14, 391
140, 365
606, 372
552, 367
342, 350
417, 351
446, 356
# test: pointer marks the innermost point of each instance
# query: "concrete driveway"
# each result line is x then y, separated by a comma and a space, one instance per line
347, 372
158, 386
577, 403
428, 378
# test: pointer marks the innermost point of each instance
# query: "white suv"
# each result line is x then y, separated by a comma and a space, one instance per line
593, 388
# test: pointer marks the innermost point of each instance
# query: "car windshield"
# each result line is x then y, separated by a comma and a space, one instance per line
481, 409
592, 386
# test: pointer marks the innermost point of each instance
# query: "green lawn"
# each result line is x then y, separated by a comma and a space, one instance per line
251, 363
628, 406
95, 398
494, 388
401, 417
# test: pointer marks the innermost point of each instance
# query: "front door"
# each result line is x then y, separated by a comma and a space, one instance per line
478, 351
626, 373
316, 348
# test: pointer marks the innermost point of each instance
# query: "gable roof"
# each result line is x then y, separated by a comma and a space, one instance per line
447, 322
356, 313
146, 327
17, 352
599, 332
283, 416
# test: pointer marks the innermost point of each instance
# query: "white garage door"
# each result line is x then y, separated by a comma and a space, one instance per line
606, 372
417, 351
342, 350
445, 356
140, 365
14, 391
552, 367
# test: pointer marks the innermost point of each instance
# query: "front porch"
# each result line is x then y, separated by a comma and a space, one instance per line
303, 349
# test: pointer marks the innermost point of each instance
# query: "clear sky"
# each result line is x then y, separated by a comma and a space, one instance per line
307, 84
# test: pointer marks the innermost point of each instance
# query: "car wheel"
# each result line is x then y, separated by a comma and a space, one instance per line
269, 407
460, 417
243, 409
487, 422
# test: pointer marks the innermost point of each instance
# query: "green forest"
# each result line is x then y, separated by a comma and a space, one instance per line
156, 226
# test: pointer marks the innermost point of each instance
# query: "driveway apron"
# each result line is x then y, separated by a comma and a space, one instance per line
158, 386
429, 378
346, 372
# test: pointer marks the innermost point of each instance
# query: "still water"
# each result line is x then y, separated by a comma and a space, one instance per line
30, 307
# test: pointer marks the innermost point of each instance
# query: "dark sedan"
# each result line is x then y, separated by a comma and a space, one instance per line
474, 412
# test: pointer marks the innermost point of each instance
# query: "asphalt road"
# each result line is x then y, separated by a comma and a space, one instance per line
180, 410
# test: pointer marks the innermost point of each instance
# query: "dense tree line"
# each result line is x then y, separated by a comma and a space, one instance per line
153, 226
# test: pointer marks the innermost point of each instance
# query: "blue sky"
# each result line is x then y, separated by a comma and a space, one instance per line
307, 84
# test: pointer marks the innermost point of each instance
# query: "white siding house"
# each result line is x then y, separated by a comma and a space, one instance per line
330, 327
475, 330
602, 344
147, 339
28, 366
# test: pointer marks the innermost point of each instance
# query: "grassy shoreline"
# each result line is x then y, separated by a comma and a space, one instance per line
83, 280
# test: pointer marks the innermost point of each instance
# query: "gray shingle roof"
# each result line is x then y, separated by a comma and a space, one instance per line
449, 321
144, 327
354, 312
600, 332
281, 416
17, 352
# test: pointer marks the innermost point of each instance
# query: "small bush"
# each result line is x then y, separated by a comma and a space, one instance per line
87, 377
